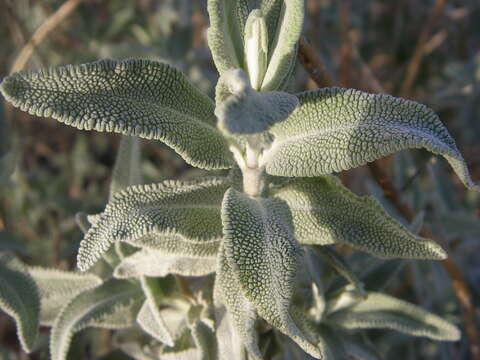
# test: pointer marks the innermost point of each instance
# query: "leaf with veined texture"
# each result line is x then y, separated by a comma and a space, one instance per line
132, 97
57, 288
380, 311
247, 111
149, 317
235, 316
284, 20
155, 264
90, 308
338, 129
190, 209
264, 255
325, 212
19, 299
176, 245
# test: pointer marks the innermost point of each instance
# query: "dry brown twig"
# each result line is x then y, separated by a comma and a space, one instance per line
41, 33
459, 283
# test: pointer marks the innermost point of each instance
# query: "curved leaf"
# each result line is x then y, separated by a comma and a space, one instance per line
263, 255
57, 288
380, 311
87, 309
190, 209
338, 129
325, 212
149, 317
247, 111
132, 97
155, 264
19, 299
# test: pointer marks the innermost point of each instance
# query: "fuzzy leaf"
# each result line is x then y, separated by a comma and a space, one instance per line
19, 299
247, 111
380, 311
152, 263
325, 212
284, 51
190, 209
132, 97
149, 317
204, 339
127, 169
57, 288
176, 245
264, 255
338, 129
89, 308
235, 316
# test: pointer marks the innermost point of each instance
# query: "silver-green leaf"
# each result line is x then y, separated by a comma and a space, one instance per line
57, 288
19, 299
88, 309
325, 212
247, 111
380, 311
127, 170
132, 97
156, 264
190, 209
337, 129
264, 255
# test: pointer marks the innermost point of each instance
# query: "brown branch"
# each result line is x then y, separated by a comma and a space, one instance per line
459, 283
419, 52
41, 33
313, 64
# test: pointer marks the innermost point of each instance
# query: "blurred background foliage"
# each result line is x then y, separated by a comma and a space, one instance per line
427, 50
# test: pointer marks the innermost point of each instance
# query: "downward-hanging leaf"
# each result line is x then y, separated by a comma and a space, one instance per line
88, 308
57, 288
127, 169
247, 111
149, 317
190, 209
263, 254
337, 129
19, 299
155, 264
132, 97
235, 316
325, 212
380, 311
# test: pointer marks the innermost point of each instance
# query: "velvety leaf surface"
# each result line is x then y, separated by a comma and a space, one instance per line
19, 299
325, 212
204, 339
155, 264
337, 129
132, 97
247, 111
91, 308
190, 209
380, 311
57, 288
263, 255
127, 170
149, 318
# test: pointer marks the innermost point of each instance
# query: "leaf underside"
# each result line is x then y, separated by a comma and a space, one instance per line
190, 209
325, 212
112, 303
337, 129
380, 311
131, 97
19, 299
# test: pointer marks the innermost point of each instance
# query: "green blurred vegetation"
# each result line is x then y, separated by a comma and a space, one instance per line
363, 43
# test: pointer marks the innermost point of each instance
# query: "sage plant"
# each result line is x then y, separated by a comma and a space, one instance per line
263, 229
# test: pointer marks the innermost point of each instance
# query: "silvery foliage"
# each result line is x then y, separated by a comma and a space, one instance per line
263, 230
